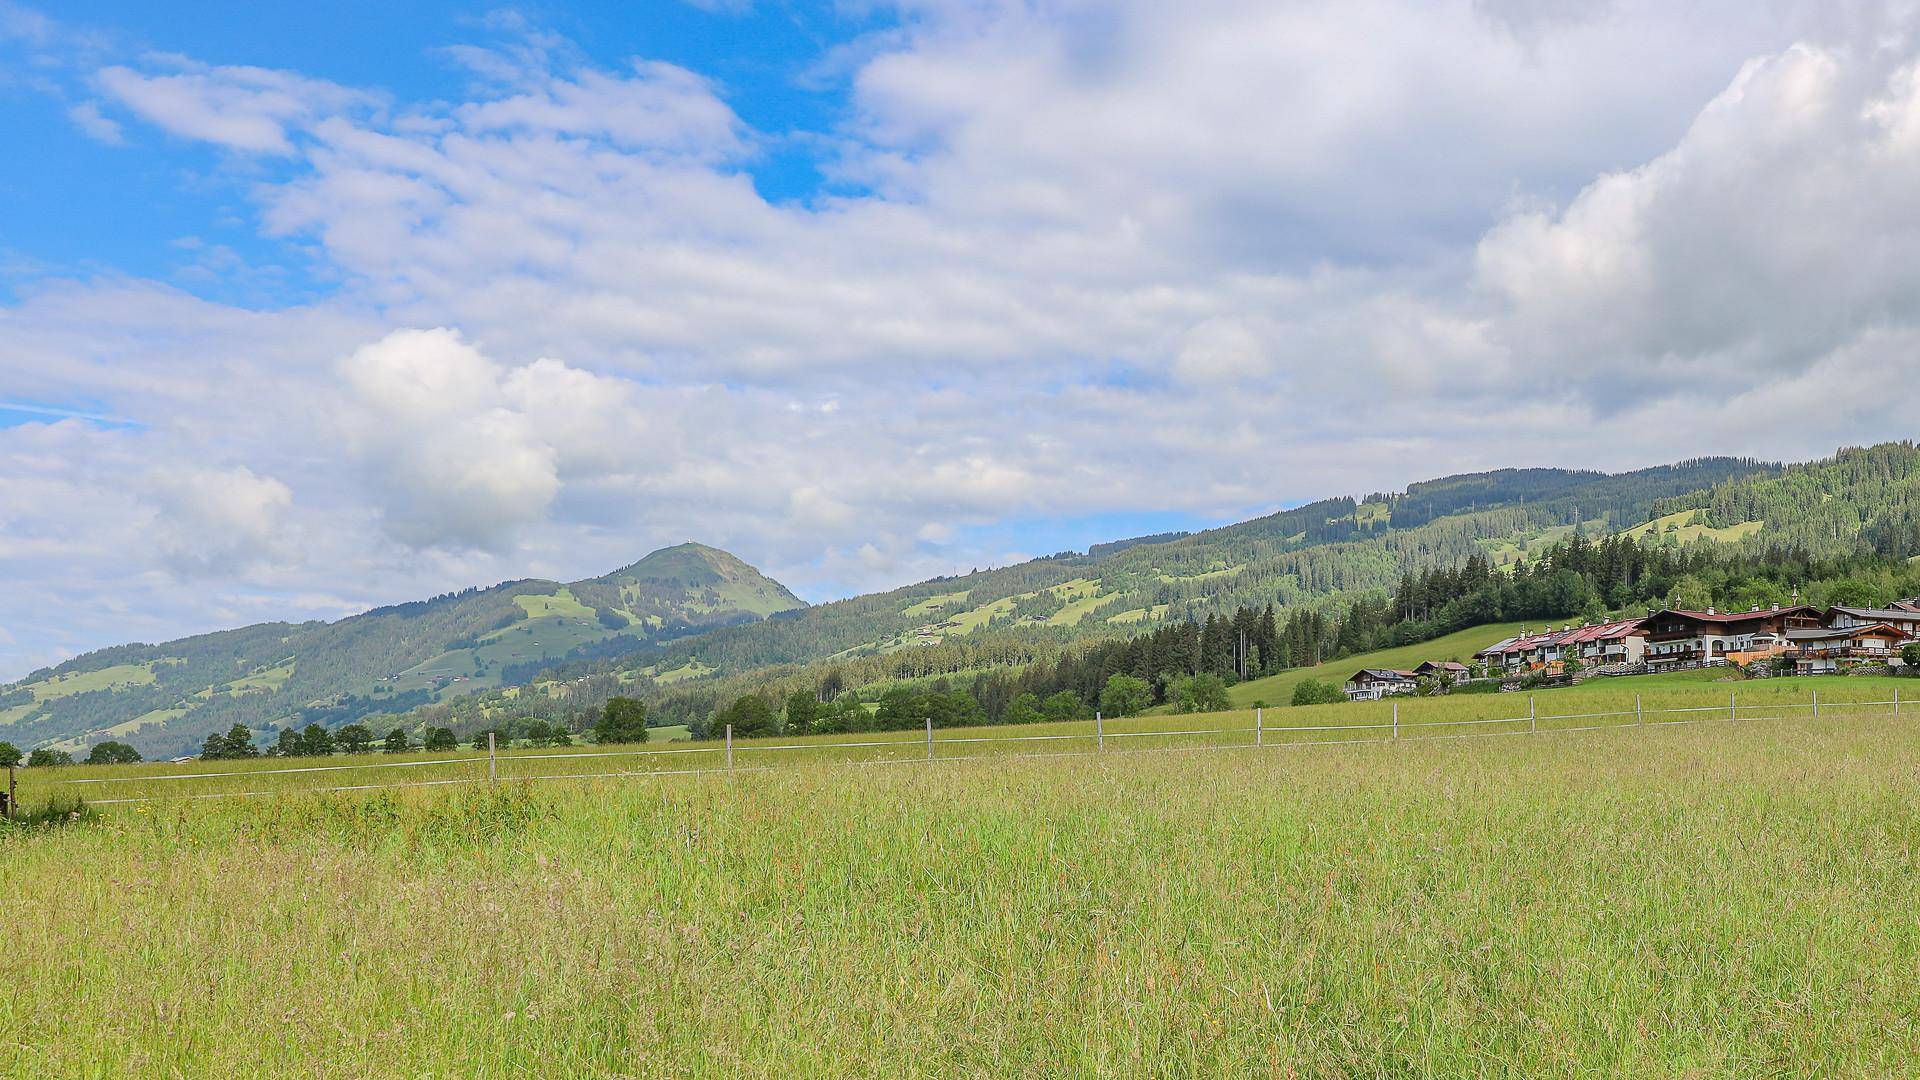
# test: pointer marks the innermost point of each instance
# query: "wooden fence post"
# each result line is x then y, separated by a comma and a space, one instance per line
1259, 725
729, 746
1533, 718
1816, 702
13, 796
1896, 703
1638, 716
929, 738
1099, 733
1733, 710
493, 764
1396, 719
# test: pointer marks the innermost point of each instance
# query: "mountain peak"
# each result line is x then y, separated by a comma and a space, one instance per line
697, 566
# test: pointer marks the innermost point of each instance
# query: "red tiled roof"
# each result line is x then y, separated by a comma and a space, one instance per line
1581, 635
1578, 635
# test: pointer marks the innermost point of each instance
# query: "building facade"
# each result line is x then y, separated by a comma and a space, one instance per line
1372, 684
1676, 638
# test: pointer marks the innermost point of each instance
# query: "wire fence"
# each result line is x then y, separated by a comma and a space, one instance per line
727, 756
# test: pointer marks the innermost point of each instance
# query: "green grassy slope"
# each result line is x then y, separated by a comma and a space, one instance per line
1278, 689
166, 698
1308, 555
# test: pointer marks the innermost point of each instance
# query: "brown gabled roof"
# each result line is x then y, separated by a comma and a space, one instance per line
1834, 633
1735, 616
1901, 614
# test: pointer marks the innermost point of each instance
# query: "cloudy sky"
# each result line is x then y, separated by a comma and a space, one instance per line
303, 311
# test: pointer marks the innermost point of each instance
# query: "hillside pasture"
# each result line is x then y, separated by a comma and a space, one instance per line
1687, 526
1278, 689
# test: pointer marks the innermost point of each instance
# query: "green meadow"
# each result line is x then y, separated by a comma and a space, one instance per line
1715, 898
1278, 689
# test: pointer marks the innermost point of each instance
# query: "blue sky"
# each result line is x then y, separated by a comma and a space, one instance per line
309, 309
88, 207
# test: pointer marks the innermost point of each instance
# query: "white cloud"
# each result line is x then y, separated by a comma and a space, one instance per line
241, 108
87, 117
1201, 258
1766, 239
217, 521
1221, 351
454, 458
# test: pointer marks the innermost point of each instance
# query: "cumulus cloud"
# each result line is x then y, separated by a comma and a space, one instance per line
1768, 238
461, 451
216, 521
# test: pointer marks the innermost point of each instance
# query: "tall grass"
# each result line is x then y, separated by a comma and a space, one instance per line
1711, 900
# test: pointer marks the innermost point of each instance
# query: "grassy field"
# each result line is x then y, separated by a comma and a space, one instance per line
1714, 899
1278, 689
1687, 527
1699, 695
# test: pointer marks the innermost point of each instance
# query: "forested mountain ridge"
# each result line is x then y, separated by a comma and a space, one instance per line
1862, 499
688, 625
1314, 556
166, 698
1301, 556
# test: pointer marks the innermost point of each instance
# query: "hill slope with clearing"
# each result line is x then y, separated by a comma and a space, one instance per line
165, 699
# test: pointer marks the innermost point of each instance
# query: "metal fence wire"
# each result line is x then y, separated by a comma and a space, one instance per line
1259, 736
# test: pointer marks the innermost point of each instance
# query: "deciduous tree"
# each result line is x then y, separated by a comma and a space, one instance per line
623, 720
1125, 695
112, 753
356, 739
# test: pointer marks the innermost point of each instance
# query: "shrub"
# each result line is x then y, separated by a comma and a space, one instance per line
1023, 709
1317, 692
1480, 687
1064, 705
1199, 694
